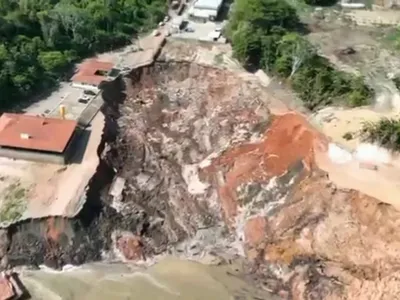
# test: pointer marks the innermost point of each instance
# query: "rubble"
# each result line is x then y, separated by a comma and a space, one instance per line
346, 51
10, 286
6, 289
131, 246
210, 169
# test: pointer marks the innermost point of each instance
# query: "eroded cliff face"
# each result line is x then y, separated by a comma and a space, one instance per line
176, 118
199, 145
198, 162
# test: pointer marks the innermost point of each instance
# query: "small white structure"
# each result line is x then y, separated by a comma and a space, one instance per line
206, 9
214, 35
351, 4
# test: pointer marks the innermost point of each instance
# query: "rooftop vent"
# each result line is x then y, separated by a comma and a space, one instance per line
25, 136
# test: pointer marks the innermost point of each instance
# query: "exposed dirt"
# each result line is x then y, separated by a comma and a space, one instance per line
39, 190
202, 164
196, 142
272, 157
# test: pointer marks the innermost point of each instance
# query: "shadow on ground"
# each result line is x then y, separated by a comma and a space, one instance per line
79, 146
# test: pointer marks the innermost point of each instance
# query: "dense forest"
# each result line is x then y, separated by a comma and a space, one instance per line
268, 34
41, 38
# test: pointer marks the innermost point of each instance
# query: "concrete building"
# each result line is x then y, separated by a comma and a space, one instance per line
205, 9
36, 138
91, 73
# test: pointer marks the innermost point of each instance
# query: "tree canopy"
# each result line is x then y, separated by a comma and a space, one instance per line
40, 38
267, 34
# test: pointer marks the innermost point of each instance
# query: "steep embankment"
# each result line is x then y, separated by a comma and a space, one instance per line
197, 162
198, 144
58, 241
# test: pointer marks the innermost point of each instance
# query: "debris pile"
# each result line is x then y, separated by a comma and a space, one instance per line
288, 140
194, 162
10, 286
259, 173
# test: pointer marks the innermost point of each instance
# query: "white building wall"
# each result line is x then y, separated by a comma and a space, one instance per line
85, 86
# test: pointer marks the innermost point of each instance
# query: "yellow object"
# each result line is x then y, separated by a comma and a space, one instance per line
62, 111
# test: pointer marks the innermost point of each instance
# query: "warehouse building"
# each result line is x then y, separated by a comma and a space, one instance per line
36, 138
206, 9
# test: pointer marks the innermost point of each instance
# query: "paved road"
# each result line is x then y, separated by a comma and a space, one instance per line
200, 30
68, 95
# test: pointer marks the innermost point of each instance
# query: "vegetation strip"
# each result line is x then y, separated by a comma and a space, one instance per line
40, 39
268, 34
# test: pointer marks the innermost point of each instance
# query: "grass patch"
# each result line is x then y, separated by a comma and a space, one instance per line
14, 203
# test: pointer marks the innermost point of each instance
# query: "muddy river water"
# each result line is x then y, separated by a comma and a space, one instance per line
170, 279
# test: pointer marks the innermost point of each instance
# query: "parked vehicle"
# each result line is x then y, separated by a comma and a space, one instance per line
84, 98
89, 93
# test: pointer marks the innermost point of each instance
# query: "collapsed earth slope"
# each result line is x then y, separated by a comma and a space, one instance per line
200, 144
201, 161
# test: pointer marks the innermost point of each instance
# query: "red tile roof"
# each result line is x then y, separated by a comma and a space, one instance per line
45, 134
87, 72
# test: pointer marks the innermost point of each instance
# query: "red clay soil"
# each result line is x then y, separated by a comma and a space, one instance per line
254, 231
54, 228
289, 139
131, 247
6, 289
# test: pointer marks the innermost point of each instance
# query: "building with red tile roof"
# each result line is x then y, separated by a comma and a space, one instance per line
92, 72
21, 134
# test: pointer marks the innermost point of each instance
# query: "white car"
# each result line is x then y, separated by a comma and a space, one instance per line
84, 98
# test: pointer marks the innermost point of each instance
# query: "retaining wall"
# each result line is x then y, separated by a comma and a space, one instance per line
53, 158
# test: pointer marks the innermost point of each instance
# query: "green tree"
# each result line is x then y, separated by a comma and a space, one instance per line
53, 61
247, 45
266, 34
40, 38
293, 50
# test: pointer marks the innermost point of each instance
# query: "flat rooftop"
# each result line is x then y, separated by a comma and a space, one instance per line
92, 71
208, 4
35, 133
